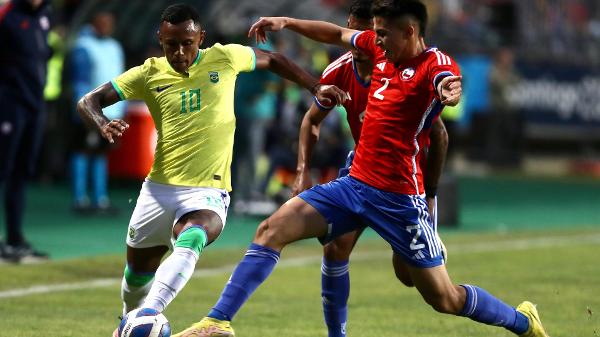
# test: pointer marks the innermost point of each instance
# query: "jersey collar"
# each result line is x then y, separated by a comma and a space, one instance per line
412, 59
196, 61
197, 57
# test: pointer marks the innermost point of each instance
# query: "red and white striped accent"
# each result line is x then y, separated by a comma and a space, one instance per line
344, 59
442, 59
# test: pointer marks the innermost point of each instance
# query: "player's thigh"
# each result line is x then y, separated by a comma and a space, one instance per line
295, 220
340, 248
401, 270
152, 220
437, 289
338, 202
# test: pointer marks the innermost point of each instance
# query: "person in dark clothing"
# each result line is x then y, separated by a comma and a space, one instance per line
24, 26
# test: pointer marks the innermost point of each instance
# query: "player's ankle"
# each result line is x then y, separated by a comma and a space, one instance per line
216, 314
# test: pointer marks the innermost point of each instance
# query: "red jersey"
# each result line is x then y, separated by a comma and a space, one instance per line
343, 74
402, 105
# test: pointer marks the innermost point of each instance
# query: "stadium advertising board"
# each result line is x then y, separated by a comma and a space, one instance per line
559, 101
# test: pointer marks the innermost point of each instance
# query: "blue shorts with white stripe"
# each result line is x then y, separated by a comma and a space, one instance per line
402, 220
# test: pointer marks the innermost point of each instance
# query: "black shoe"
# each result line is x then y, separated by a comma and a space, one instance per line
25, 253
7, 254
3, 258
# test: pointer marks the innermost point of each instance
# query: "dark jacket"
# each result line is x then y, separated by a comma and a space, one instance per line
24, 51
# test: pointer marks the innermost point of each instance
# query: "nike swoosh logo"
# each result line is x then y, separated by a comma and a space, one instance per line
159, 89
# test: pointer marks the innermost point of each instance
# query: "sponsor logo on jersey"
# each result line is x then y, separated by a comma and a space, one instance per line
214, 76
408, 73
381, 66
163, 88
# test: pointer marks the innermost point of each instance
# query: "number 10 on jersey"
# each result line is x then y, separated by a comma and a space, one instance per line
190, 100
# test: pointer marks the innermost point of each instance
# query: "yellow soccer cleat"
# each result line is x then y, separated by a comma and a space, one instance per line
535, 324
208, 327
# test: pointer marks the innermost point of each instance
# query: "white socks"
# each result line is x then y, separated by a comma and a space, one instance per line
171, 276
133, 297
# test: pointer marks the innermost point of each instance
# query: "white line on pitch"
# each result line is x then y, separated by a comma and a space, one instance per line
504, 245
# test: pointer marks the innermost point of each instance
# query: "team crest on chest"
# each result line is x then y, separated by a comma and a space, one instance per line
408, 73
214, 76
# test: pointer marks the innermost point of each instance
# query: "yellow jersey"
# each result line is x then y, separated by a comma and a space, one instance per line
193, 113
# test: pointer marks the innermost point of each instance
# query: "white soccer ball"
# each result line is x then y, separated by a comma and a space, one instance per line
144, 322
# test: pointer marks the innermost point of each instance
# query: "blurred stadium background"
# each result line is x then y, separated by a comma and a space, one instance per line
525, 141
527, 132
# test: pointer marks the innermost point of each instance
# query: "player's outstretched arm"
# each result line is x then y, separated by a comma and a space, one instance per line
90, 107
284, 67
309, 135
436, 157
320, 31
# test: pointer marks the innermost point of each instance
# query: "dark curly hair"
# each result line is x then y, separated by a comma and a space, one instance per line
179, 13
391, 9
361, 9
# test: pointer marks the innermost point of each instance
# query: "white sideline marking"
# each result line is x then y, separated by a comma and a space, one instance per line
505, 245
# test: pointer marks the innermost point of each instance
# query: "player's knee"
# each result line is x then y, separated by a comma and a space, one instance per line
336, 252
193, 238
209, 220
447, 302
266, 232
269, 234
213, 230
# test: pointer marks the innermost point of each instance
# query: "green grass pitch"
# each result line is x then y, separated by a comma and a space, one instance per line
556, 269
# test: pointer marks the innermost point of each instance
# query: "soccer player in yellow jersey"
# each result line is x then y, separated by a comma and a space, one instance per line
183, 202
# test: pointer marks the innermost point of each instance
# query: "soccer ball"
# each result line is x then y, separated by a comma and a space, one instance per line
144, 322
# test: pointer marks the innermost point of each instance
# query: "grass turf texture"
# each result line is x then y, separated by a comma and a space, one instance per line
556, 269
502, 203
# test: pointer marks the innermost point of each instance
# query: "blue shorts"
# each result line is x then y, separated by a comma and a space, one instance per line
401, 220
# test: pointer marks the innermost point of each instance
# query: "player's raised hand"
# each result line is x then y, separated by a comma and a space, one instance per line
450, 90
302, 182
330, 94
266, 24
113, 129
